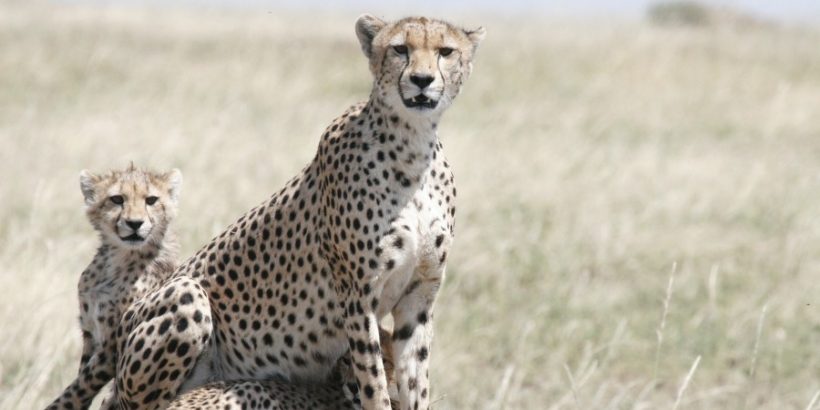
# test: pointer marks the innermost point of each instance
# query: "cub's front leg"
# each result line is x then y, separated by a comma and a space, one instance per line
96, 369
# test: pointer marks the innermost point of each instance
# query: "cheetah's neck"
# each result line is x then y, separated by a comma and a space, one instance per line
409, 145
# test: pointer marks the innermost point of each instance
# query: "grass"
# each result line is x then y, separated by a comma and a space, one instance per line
590, 158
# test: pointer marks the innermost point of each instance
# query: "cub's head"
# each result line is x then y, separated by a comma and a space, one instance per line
132, 207
418, 63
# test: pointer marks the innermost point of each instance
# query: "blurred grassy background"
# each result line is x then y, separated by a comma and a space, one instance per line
591, 157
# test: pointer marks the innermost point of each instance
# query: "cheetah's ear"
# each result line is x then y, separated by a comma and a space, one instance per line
367, 26
174, 179
88, 184
476, 36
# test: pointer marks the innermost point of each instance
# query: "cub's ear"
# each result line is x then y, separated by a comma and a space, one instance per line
174, 179
88, 185
476, 36
367, 26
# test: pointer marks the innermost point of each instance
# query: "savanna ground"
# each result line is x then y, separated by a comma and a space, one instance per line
595, 162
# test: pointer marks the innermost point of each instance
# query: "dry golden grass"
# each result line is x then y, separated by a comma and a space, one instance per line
590, 157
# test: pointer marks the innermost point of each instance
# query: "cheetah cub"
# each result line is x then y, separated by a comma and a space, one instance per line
132, 211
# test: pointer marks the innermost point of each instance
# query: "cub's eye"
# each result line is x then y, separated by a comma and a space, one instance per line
445, 51
400, 49
151, 200
117, 199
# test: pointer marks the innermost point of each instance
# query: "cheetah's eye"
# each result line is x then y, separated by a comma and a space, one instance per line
151, 200
400, 49
445, 51
117, 199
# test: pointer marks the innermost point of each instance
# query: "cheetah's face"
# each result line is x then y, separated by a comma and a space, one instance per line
133, 207
419, 64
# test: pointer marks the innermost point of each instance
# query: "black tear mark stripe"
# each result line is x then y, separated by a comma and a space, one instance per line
401, 73
443, 79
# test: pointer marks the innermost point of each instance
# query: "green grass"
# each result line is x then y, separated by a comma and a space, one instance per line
590, 158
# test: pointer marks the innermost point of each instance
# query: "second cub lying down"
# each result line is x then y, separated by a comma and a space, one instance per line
339, 393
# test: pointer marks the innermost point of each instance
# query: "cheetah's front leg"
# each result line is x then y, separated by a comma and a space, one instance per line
412, 336
362, 329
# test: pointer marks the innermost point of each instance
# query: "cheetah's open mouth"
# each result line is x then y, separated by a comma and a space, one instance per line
133, 238
420, 101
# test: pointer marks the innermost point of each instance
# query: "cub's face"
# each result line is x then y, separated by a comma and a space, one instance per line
419, 64
132, 207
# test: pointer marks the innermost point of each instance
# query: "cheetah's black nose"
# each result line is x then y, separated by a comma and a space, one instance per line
134, 224
421, 80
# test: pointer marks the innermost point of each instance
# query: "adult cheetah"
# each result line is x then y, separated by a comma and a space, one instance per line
362, 232
132, 211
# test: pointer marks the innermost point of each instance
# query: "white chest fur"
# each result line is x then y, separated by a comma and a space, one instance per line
414, 251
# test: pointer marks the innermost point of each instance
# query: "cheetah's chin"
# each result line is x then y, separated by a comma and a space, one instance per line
420, 101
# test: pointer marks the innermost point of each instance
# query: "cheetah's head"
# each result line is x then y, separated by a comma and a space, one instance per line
132, 207
418, 64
